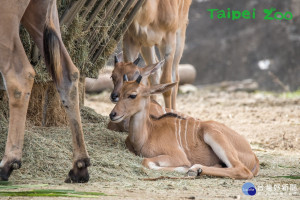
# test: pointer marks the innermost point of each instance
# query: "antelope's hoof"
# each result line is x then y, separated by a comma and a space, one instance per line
79, 173
193, 173
7, 169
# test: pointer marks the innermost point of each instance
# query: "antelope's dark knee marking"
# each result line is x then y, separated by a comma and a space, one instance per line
64, 104
17, 94
74, 76
14, 147
73, 93
77, 131
30, 76
28, 95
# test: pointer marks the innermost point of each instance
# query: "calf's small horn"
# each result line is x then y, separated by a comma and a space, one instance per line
125, 78
138, 80
136, 62
116, 60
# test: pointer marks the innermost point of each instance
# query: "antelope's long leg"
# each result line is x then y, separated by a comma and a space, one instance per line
130, 48
19, 77
67, 87
180, 41
169, 163
229, 156
167, 51
150, 57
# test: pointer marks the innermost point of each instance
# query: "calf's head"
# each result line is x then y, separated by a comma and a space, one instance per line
134, 97
132, 71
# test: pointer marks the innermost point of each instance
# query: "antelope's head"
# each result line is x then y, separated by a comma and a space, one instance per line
134, 97
132, 71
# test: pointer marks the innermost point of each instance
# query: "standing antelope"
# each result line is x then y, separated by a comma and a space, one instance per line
40, 18
159, 23
181, 143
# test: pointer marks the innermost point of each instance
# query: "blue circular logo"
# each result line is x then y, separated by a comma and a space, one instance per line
249, 189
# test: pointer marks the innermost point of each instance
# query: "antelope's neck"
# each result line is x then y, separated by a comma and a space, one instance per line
138, 128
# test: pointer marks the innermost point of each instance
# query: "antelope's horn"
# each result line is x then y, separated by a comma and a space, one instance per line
125, 78
138, 80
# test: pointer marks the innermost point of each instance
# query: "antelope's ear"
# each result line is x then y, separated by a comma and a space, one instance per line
150, 69
119, 57
161, 88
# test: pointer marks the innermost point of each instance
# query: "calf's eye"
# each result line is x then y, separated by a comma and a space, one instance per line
132, 96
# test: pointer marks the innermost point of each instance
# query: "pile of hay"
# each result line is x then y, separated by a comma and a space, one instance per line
47, 153
90, 34
4, 112
90, 30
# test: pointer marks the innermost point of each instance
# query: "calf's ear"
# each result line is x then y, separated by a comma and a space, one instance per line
161, 88
150, 69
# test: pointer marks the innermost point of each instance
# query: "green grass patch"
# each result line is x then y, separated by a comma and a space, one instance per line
5, 183
291, 95
285, 95
288, 177
52, 193
8, 186
289, 167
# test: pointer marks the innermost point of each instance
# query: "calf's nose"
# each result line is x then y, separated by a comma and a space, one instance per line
112, 115
114, 96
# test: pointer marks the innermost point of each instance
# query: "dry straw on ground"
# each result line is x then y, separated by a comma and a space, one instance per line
47, 152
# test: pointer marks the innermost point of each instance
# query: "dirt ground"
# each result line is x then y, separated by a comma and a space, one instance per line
271, 123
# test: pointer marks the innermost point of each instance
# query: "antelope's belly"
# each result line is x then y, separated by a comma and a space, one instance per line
146, 35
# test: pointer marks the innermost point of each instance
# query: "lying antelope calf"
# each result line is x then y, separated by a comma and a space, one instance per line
181, 143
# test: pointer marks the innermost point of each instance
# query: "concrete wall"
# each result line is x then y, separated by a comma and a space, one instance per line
223, 50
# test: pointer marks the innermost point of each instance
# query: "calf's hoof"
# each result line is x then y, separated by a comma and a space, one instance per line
194, 173
7, 169
79, 173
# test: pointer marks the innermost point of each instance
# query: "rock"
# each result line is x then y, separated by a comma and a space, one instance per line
187, 74
103, 82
